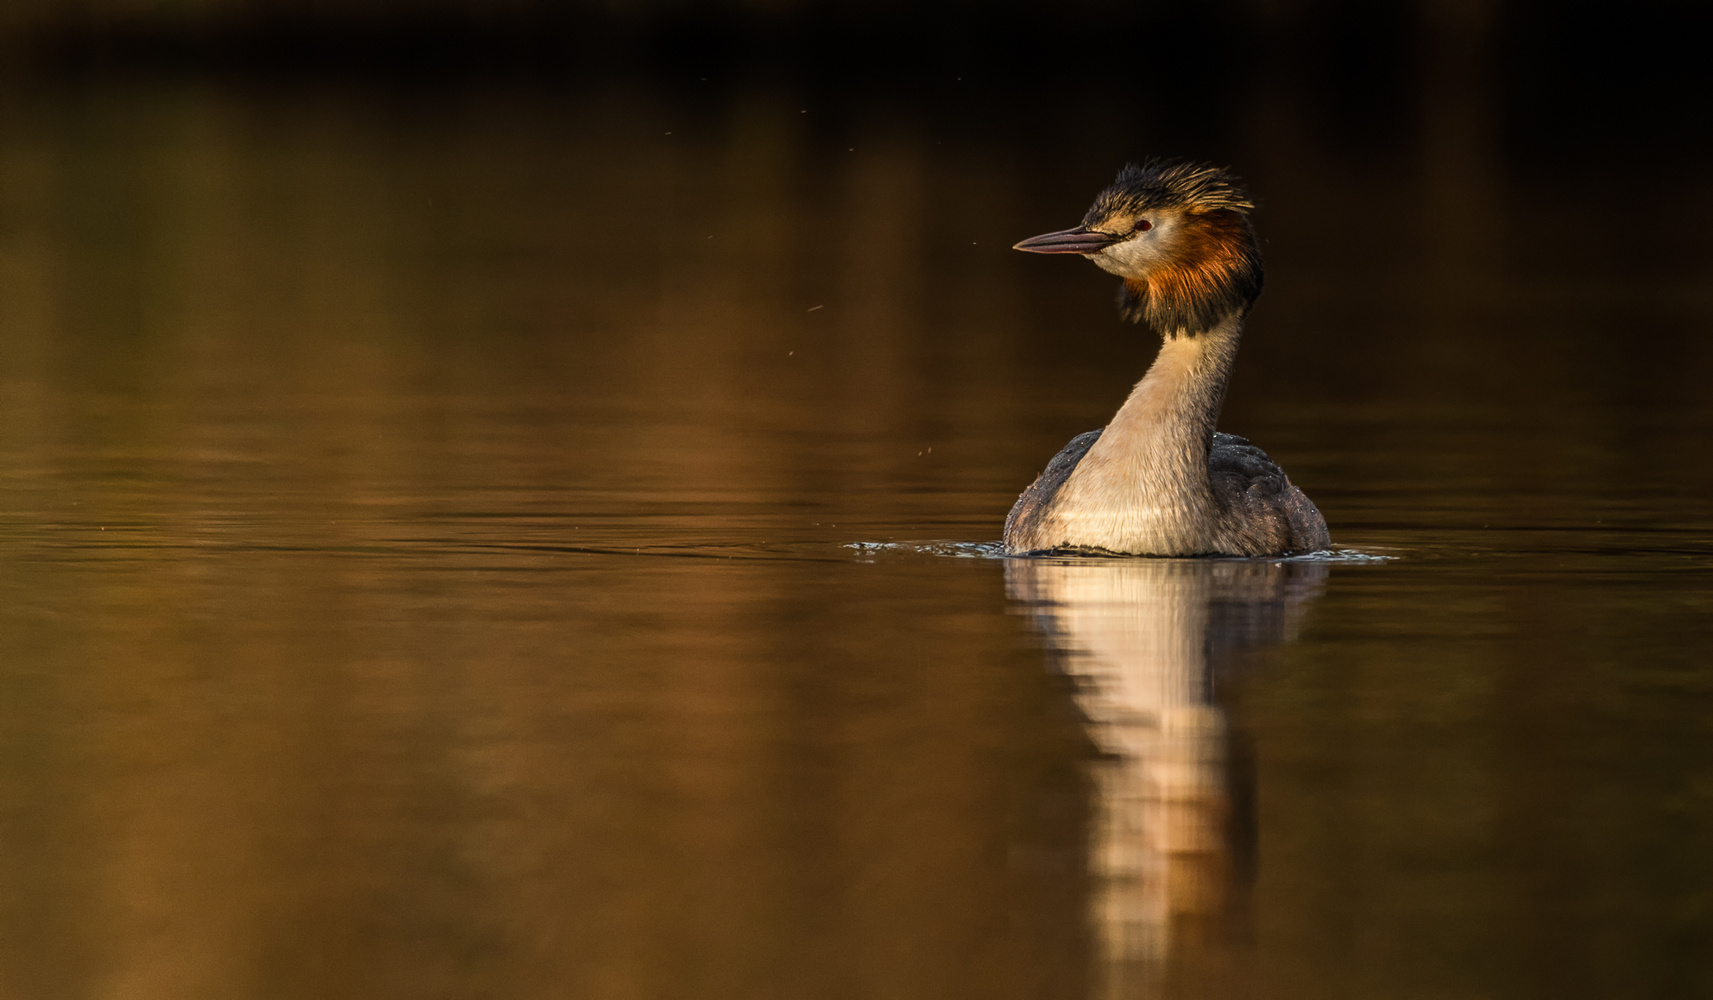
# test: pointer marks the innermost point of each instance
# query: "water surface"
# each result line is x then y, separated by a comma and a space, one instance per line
426, 550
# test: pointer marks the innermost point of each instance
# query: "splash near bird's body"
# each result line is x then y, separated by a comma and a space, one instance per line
1159, 480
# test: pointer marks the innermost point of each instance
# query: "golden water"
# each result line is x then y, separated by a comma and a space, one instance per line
426, 568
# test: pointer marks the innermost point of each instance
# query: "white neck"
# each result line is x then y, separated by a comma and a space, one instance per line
1143, 487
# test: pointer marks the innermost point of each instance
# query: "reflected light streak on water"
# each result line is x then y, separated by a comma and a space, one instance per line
1171, 836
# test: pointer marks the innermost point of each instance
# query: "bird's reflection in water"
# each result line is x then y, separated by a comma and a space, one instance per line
1146, 640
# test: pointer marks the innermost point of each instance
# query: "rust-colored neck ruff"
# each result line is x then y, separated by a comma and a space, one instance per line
1217, 274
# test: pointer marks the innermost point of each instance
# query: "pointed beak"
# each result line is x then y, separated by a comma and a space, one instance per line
1079, 240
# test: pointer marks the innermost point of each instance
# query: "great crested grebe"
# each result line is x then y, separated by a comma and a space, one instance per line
1159, 480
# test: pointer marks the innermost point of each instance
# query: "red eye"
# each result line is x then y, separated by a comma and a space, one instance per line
1143, 225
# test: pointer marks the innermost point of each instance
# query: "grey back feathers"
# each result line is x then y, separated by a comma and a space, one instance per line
1253, 489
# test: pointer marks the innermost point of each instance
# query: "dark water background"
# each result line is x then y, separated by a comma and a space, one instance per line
427, 514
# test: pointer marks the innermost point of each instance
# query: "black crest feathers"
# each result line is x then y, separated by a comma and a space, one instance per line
1153, 184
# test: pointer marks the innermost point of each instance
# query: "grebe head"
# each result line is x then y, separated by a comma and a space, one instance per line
1178, 234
